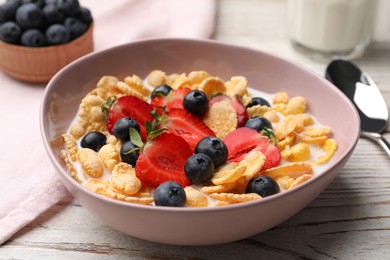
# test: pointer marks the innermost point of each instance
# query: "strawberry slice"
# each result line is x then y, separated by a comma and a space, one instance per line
162, 160
186, 125
173, 100
244, 140
133, 107
236, 103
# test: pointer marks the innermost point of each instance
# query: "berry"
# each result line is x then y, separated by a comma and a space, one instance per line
75, 27
213, 147
30, 16
32, 38
69, 7
163, 159
184, 124
53, 14
133, 107
263, 185
122, 128
258, 101
258, 123
127, 156
10, 32
244, 140
93, 140
161, 90
84, 15
170, 194
57, 34
196, 102
199, 168
236, 103
173, 100
39, 3
8, 10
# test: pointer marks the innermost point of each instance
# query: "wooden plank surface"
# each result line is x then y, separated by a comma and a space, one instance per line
349, 220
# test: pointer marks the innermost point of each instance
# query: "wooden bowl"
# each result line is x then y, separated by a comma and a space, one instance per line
39, 64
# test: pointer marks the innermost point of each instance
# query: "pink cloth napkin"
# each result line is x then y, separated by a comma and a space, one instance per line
28, 182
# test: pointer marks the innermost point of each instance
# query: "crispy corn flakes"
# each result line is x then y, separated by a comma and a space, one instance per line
196, 198
235, 198
236, 86
330, 147
90, 162
212, 86
221, 118
109, 156
292, 170
71, 146
156, 78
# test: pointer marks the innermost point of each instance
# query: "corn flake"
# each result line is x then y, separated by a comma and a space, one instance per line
212, 86
195, 198
90, 162
221, 117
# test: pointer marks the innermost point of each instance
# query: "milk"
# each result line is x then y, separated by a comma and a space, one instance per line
335, 27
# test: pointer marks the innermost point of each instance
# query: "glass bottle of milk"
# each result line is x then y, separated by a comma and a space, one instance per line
331, 28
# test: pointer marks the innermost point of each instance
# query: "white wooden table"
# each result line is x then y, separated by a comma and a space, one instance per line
349, 220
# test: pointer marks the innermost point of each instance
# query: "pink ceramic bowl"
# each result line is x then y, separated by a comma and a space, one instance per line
198, 226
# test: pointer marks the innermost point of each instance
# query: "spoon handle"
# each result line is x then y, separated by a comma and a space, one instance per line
379, 139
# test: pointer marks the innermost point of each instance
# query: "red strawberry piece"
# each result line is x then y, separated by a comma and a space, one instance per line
244, 140
236, 103
173, 100
133, 107
186, 125
162, 160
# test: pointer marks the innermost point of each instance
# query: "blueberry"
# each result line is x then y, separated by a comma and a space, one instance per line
8, 10
93, 140
196, 102
75, 27
84, 15
122, 128
69, 7
170, 193
258, 123
10, 32
53, 14
258, 101
162, 90
30, 16
57, 34
127, 156
32, 38
263, 185
199, 168
49, 2
215, 148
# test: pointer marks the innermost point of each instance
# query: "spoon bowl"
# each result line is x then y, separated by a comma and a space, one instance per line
366, 97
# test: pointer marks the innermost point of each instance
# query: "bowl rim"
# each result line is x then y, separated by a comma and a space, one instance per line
58, 167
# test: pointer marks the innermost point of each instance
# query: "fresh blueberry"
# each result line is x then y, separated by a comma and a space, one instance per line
69, 7
263, 185
49, 2
53, 14
196, 102
199, 168
57, 34
170, 194
32, 38
162, 90
30, 16
8, 10
122, 128
127, 155
10, 32
93, 140
258, 123
75, 27
213, 147
258, 101
84, 15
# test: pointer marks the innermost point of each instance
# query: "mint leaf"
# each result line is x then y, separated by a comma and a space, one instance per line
135, 137
269, 133
106, 106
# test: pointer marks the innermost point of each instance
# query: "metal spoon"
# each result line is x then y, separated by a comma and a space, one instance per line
366, 97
